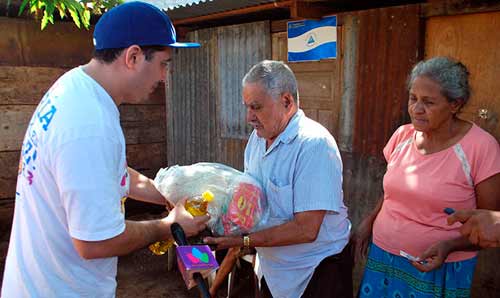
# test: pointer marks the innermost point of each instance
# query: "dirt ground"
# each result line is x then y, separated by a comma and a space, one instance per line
142, 274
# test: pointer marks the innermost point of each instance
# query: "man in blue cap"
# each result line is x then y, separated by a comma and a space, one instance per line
69, 224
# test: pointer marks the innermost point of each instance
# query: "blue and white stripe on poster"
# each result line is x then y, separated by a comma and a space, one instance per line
311, 40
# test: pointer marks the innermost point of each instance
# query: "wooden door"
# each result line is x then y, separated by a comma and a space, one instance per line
474, 39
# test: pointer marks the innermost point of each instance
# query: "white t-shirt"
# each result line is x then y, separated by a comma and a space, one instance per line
72, 176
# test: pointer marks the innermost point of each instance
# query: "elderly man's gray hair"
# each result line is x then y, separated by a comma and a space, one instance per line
275, 76
451, 75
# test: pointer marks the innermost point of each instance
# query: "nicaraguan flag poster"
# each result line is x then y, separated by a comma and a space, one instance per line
311, 40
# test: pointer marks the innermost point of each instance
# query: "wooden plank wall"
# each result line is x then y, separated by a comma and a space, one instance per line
30, 61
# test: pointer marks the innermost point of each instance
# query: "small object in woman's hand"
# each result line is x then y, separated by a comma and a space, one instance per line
410, 257
449, 211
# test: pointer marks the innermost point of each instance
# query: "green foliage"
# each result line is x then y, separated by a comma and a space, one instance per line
79, 10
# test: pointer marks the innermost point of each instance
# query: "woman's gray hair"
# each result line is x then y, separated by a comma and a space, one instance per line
275, 76
451, 75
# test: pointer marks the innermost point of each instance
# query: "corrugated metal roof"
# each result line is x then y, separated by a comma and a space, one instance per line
171, 4
191, 9
168, 4
180, 3
182, 9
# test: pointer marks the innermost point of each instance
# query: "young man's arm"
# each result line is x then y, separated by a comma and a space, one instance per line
143, 189
139, 234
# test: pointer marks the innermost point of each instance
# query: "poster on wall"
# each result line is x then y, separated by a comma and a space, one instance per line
312, 40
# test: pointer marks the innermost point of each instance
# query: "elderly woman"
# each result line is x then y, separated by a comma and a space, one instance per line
438, 161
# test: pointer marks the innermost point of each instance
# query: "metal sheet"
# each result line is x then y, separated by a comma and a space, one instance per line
350, 31
240, 47
389, 45
172, 4
206, 120
190, 117
211, 7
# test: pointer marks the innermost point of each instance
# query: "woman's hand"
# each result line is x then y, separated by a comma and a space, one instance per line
434, 256
360, 239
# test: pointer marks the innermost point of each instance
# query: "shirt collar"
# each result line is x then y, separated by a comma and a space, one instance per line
290, 132
292, 129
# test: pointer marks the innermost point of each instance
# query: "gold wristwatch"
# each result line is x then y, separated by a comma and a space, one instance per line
246, 241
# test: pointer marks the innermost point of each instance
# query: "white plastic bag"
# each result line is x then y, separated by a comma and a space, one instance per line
239, 205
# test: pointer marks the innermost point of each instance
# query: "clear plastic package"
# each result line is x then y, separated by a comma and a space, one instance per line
238, 206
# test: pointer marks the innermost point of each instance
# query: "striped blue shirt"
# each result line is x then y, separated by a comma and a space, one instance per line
300, 171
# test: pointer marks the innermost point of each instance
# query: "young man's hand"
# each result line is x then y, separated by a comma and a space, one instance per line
481, 227
191, 225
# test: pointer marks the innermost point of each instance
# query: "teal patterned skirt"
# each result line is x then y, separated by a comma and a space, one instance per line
391, 276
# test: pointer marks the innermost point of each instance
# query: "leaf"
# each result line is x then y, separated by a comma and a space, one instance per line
86, 18
73, 8
65, 5
23, 5
62, 9
74, 14
79, 10
34, 7
49, 10
45, 20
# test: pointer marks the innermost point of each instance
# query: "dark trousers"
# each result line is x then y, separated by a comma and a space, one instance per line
332, 278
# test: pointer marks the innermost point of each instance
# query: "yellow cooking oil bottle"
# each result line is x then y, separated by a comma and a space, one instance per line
196, 206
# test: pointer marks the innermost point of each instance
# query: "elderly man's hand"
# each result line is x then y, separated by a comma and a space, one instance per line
482, 227
191, 225
224, 242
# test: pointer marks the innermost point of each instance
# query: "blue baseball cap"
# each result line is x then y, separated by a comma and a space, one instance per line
136, 23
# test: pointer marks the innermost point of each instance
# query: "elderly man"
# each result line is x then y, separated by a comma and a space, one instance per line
303, 253
68, 222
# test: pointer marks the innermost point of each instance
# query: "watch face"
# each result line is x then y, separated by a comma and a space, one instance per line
246, 241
